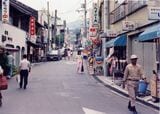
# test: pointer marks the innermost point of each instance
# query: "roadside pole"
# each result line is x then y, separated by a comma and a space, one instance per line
48, 16
85, 19
55, 27
106, 26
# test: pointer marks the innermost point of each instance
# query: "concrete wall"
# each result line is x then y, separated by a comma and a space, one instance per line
18, 39
146, 53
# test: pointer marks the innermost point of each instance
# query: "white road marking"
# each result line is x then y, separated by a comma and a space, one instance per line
91, 111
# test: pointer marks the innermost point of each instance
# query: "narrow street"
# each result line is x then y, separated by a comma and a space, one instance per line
56, 88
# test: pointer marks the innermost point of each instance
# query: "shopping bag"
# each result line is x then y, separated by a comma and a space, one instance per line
3, 83
18, 78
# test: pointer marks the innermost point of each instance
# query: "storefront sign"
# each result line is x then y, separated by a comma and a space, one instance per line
128, 25
154, 13
32, 26
111, 33
92, 31
95, 14
5, 11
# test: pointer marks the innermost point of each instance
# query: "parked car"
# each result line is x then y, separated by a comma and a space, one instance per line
54, 55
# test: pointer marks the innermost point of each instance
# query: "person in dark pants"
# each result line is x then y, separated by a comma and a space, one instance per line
132, 74
1, 74
25, 68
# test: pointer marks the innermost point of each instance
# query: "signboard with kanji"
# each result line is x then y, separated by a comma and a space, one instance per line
32, 26
92, 31
128, 25
111, 33
5, 11
154, 13
95, 14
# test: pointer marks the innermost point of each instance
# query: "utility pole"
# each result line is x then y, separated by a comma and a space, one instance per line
84, 6
85, 19
48, 16
106, 26
55, 27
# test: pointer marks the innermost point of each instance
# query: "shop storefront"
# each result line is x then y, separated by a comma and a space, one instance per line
152, 35
116, 58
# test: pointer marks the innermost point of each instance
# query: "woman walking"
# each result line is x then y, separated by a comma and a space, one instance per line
80, 67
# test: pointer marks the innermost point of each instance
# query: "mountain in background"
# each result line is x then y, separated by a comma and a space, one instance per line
74, 25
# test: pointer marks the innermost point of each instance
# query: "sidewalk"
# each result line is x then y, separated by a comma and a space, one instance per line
108, 82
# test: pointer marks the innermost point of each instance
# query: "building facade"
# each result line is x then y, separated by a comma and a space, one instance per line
15, 35
132, 19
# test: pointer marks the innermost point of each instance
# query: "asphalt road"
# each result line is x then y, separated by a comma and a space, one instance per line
56, 88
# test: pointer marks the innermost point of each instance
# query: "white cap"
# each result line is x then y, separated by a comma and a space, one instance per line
1, 70
134, 57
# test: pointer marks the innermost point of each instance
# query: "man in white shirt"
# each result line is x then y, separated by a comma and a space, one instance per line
25, 68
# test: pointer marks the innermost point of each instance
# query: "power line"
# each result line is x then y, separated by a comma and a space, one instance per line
76, 9
90, 2
73, 8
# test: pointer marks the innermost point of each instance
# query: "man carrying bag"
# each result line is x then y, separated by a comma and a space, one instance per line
132, 74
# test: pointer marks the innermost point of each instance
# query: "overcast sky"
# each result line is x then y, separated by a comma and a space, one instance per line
66, 8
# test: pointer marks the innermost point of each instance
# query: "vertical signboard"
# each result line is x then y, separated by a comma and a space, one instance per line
32, 29
95, 15
5, 11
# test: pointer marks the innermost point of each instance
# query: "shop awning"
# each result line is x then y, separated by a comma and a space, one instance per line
118, 41
150, 34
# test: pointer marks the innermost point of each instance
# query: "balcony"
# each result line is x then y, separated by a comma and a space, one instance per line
126, 9
135, 5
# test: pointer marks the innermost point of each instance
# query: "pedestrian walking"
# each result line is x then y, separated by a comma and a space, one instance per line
80, 66
3, 60
69, 54
10, 64
65, 53
1, 74
25, 68
132, 74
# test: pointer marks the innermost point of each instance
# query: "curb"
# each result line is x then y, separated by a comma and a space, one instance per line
124, 94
